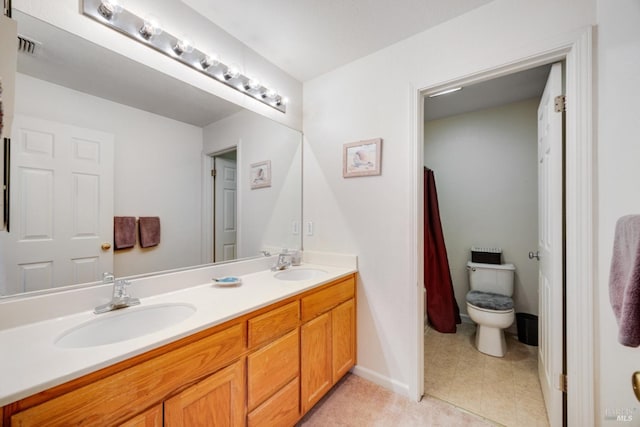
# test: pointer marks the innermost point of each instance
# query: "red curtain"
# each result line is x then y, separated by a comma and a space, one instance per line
442, 308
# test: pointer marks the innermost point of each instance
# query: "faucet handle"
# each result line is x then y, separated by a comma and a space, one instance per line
120, 288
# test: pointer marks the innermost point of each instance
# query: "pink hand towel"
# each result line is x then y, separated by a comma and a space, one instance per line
624, 280
124, 232
149, 227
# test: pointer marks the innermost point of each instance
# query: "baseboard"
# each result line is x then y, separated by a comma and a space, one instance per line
381, 380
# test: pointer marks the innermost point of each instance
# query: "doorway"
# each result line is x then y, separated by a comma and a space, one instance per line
224, 197
482, 143
576, 49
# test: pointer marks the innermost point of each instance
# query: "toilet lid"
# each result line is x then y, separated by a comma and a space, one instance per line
489, 301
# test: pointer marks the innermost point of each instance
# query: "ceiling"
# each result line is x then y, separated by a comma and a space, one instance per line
491, 93
307, 38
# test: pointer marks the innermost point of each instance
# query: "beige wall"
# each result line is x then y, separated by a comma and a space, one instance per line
371, 217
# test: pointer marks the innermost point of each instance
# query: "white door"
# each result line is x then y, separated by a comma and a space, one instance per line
225, 209
61, 206
550, 245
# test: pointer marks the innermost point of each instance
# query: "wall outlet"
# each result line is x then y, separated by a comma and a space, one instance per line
309, 228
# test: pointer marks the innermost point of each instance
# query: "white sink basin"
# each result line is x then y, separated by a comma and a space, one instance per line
124, 324
300, 274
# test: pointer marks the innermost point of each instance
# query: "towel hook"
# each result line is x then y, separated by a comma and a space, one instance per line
535, 255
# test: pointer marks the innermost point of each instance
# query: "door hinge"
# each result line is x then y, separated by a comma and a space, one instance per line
214, 173
563, 383
560, 103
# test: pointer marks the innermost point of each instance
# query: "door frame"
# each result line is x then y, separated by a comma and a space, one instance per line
575, 48
206, 249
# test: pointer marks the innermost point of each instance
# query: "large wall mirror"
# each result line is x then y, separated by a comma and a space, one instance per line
97, 135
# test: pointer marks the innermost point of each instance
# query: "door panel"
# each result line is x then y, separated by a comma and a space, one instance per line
550, 245
56, 167
225, 210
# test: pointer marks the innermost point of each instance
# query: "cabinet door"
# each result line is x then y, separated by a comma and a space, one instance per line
217, 400
150, 418
316, 376
343, 330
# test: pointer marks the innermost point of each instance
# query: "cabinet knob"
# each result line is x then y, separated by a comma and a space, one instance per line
106, 246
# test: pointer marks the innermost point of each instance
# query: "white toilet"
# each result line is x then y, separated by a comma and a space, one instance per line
489, 304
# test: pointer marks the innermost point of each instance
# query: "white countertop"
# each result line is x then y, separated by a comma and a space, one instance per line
30, 362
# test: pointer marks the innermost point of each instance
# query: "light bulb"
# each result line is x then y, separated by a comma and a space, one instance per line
209, 61
281, 100
183, 46
150, 28
252, 84
269, 93
232, 72
109, 8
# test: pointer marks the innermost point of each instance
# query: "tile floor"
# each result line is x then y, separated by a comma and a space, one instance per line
505, 390
356, 402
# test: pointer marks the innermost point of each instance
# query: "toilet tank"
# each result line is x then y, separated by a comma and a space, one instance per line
495, 278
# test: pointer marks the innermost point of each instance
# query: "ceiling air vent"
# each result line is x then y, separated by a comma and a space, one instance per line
27, 46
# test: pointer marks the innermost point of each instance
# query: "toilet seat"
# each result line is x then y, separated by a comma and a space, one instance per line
488, 310
490, 302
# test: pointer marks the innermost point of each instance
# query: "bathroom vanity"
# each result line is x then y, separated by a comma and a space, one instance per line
262, 366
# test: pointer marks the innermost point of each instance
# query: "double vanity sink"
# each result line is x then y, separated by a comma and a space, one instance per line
52, 351
121, 325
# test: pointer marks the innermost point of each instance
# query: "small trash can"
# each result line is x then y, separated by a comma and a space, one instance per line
527, 328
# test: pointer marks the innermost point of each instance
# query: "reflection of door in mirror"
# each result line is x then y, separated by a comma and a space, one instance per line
60, 215
225, 206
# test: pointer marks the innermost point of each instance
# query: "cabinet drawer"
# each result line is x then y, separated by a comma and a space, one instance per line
116, 398
271, 367
328, 298
282, 409
274, 323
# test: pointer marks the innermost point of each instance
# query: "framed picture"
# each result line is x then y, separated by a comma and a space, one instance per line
362, 158
260, 174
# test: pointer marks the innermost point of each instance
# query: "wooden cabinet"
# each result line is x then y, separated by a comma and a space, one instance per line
265, 368
328, 346
118, 397
217, 400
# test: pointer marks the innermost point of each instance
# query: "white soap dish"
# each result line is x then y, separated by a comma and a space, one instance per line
227, 281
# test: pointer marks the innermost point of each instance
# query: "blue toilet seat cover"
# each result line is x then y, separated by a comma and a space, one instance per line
489, 301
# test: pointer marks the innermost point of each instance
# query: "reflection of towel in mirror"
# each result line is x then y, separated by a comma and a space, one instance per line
624, 279
124, 232
149, 227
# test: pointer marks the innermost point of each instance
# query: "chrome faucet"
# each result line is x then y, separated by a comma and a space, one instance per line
120, 297
283, 262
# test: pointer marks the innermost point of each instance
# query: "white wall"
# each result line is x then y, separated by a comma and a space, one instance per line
177, 18
371, 217
265, 214
618, 69
486, 176
157, 168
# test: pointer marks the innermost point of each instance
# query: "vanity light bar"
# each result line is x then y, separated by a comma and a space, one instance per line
149, 32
